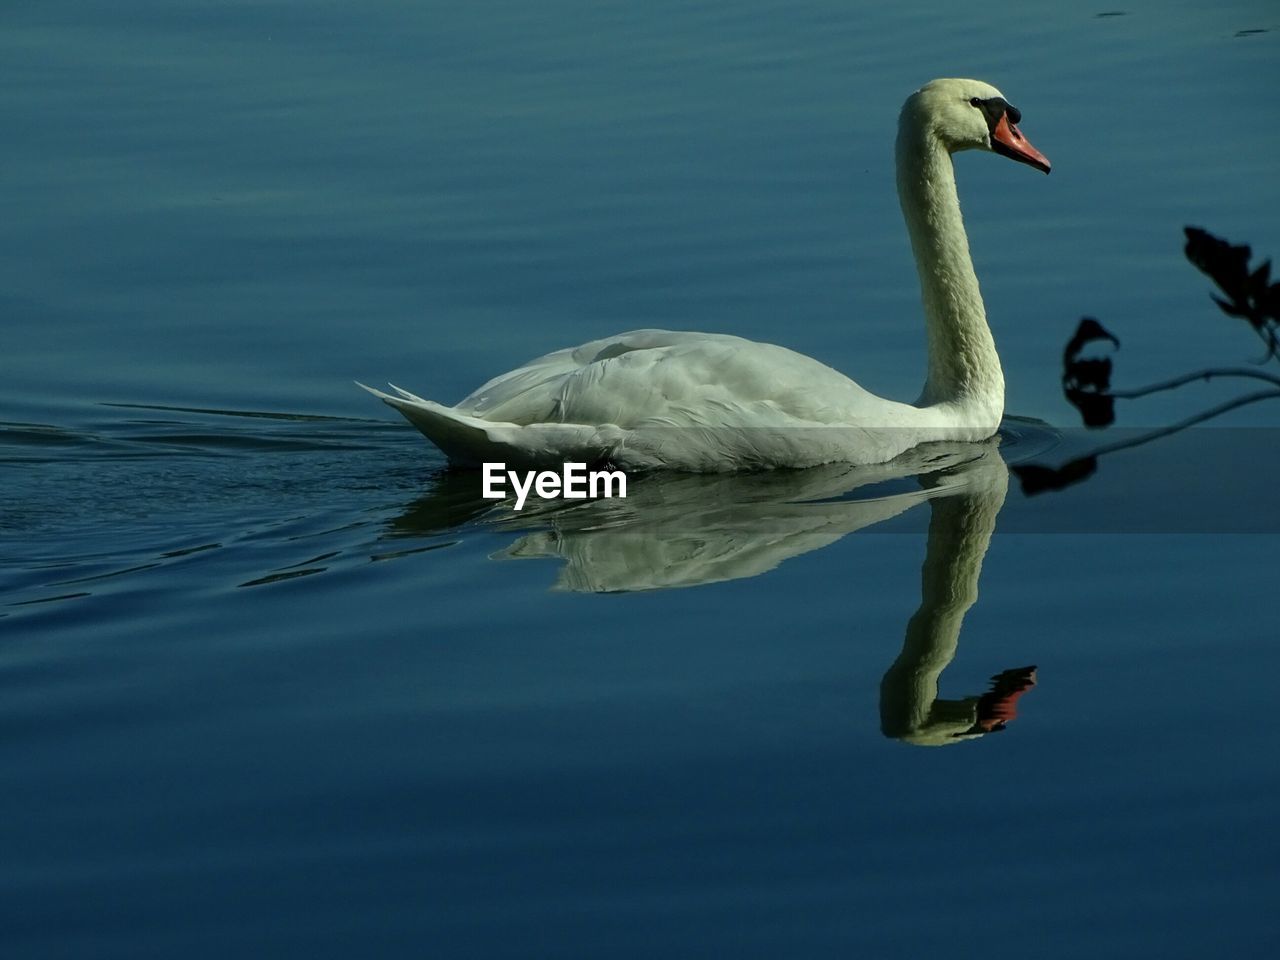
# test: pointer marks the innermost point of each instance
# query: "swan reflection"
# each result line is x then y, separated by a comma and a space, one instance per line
693, 529
686, 530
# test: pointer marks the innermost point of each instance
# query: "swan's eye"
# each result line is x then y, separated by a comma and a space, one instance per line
975, 102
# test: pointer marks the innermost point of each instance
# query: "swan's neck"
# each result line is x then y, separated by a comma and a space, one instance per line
964, 369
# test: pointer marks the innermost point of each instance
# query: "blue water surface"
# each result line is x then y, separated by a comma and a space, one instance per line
275, 683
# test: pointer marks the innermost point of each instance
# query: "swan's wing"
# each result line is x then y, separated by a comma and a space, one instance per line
677, 379
531, 393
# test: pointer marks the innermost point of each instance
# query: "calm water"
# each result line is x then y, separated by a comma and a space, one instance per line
273, 682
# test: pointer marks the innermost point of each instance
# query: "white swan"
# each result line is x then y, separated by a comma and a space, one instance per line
711, 402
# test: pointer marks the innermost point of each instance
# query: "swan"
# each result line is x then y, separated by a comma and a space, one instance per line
704, 402
691, 529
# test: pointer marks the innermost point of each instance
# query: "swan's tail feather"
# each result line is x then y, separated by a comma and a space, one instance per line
469, 441
464, 440
404, 394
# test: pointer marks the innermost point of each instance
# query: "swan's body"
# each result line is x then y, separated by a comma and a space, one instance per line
710, 402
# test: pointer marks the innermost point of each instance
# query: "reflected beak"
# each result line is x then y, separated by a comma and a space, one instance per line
1007, 140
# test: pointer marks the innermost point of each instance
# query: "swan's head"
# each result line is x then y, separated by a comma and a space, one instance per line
970, 115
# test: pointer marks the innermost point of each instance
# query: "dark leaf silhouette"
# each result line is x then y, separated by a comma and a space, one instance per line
1250, 295
1086, 381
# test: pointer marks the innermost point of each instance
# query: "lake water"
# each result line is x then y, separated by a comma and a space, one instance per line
275, 683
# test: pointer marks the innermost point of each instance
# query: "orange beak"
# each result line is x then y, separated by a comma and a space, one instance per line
1007, 140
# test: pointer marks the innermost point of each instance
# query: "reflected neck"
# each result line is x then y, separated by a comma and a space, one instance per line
960, 530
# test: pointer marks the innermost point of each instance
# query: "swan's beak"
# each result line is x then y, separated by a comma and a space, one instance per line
1007, 140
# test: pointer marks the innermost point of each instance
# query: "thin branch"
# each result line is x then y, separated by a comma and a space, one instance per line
1201, 417
1206, 375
